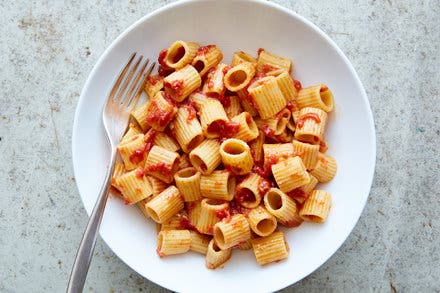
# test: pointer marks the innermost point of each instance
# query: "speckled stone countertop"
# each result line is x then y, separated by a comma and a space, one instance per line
48, 48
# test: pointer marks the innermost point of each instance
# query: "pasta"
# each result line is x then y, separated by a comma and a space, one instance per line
223, 154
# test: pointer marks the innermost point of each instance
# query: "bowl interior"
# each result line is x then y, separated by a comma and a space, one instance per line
232, 25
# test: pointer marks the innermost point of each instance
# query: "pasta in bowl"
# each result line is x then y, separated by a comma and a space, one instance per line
321, 68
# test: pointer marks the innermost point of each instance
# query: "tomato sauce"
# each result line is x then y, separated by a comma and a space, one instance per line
163, 70
154, 79
323, 146
263, 186
290, 106
323, 88
158, 115
185, 223
176, 87
138, 155
260, 170
267, 130
140, 172
127, 202
224, 128
161, 167
297, 84
260, 50
202, 51
244, 195
303, 118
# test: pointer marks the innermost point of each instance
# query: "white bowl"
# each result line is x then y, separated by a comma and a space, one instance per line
232, 25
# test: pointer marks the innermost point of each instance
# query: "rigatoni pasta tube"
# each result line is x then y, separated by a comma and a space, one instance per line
160, 111
207, 57
153, 85
181, 53
173, 242
240, 57
134, 186
187, 128
239, 76
162, 163
218, 185
248, 129
213, 85
167, 142
157, 185
212, 118
266, 96
211, 211
215, 256
261, 221
140, 115
277, 152
133, 130
251, 190
316, 207
236, 156
228, 233
271, 248
318, 96
234, 107
188, 182
325, 168
290, 174
206, 156
285, 83
118, 171
182, 82
310, 125
165, 205
277, 62
282, 207
199, 242
132, 151
307, 152
245, 102
300, 194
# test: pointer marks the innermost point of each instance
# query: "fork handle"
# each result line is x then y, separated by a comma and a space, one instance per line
85, 250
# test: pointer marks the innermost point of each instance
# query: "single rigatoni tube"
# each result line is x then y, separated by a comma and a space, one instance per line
139, 114
157, 185
236, 156
206, 156
187, 128
199, 242
233, 108
215, 257
153, 85
212, 115
213, 85
181, 53
133, 130
251, 190
132, 151
162, 163
277, 152
271, 248
134, 186
239, 76
318, 96
307, 152
207, 57
241, 57
261, 221
248, 128
182, 82
285, 83
188, 182
282, 207
267, 97
256, 146
165, 205
290, 174
160, 111
300, 194
325, 169
277, 62
317, 206
167, 142
310, 125
218, 185
245, 102
231, 232
173, 242
210, 210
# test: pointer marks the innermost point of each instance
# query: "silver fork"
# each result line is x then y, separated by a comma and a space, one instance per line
121, 100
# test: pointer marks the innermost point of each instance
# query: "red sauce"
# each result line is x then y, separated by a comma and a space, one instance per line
154, 79
323, 146
149, 138
263, 186
290, 106
251, 100
226, 69
236, 208
205, 49
191, 113
244, 195
224, 128
159, 253
260, 170
267, 130
265, 68
185, 223
127, 202
140, 172
158, 115
298, 194
175, 86
292, 223
163, 70
323, 88
225, 100
303, 118
260, 50
223, 214
138, 155
297, 84
161, 167
203, 167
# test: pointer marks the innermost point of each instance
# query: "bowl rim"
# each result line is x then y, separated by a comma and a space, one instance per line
315, 28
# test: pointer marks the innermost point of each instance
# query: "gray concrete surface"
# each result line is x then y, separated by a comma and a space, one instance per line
49, 47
